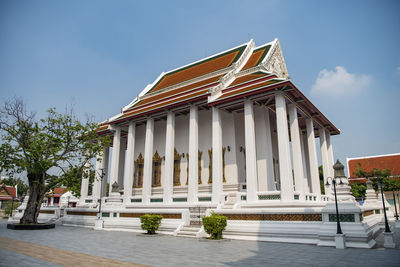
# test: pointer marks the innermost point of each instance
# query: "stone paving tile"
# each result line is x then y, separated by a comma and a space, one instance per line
58, 256
9, 258
173, 251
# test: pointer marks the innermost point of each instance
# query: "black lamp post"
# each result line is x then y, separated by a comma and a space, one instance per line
387, 228
102, 174
396, 215
339, 173
12, 206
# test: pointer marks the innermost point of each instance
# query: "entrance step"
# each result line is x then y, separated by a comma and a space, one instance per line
189, 231
196, 214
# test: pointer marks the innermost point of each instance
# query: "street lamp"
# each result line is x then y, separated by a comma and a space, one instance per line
102, 174
338, 228
338, 174
387, 228
12, 206
396, 215
68, 201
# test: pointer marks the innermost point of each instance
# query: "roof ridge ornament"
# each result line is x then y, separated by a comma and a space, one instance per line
228, 78
274, 61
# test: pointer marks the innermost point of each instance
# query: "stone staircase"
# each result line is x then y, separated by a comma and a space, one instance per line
189, 231
196, 213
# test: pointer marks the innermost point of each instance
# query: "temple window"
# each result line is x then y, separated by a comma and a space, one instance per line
156, 170
177, 168
138, 174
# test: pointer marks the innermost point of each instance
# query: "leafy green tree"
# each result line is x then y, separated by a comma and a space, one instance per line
389, 182
358, 189
72, 178
21, 185
41, 147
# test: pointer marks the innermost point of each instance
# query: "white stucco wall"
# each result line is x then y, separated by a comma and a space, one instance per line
205, 136
228, 139
182, 142
239, 140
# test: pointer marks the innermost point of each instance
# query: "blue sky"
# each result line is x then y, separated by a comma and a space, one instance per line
98, 55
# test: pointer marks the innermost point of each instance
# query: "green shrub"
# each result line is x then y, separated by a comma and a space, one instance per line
214, 225
150, 222
7, 207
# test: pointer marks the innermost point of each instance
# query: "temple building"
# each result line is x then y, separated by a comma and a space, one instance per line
230, 133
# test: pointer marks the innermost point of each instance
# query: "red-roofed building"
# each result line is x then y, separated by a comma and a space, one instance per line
380, 162
7, 193
53, 198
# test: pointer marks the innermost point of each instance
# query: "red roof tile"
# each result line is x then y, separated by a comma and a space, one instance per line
391, 162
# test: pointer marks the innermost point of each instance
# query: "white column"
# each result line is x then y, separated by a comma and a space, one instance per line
306, 164
193, 155
296, 152
129, 167
115, 157
217, 189
104, 166
270, 157
315, 184
325, 160
85, 183
330, 153
265, 166
251, 159
148, 161
285, 166
121, 167
169, 158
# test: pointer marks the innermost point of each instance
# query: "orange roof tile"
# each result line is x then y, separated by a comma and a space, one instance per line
248, 77
180, 99
170, 93
60, 190
6, 190
256, 57
391, 162
198, 69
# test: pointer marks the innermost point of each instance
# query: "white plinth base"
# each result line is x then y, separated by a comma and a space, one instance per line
388, 241
340, 241
98, 224
397, 224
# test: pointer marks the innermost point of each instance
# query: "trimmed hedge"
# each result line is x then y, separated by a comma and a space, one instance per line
214, 225
150, 222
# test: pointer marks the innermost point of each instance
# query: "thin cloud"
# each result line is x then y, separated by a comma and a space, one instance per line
339, 82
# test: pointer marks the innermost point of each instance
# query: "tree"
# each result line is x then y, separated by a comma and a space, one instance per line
390, 183
21, 186
72, 178
41, 147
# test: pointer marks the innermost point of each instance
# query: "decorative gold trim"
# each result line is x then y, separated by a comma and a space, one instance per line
138, 174
223, 164
275, 217
199, 164
199, 167
177, 168
82, 213
187, 169
156, 177
138, 215
244, 153
210, 166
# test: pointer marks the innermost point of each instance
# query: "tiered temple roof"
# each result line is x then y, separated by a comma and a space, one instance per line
222, 79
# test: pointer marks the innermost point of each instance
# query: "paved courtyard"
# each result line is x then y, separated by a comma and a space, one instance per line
75, 246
